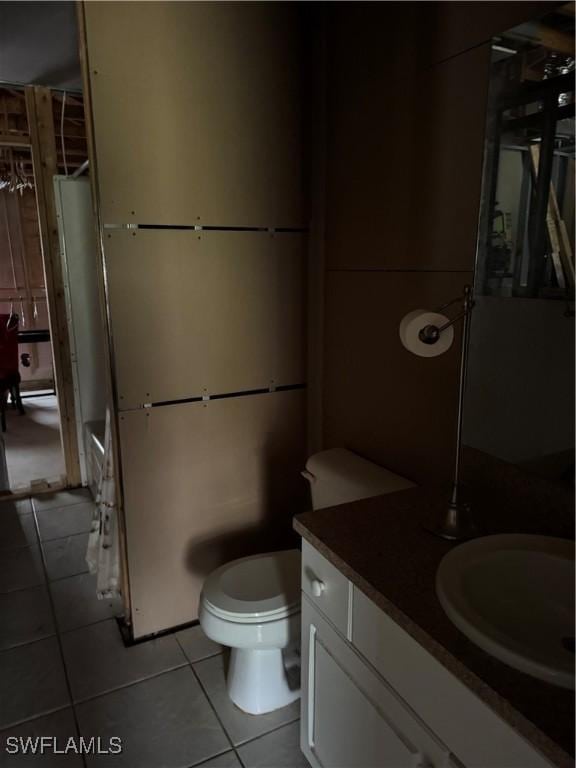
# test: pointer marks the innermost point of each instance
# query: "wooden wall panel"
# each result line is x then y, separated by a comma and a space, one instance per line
407, 92
206, 483
381, 401
405, 168
196, 313
197, 112
448, 175
371, 137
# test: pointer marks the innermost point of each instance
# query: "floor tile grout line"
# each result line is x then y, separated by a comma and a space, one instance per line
28, 642
267, 733
45, 713
72, 576
235, 747
23, 589
58, 538
129, 685
57, 627
239, 758
212, 707
68, 576
207, 760
196, 661
83, 626
20, 546
86, 500
66, 536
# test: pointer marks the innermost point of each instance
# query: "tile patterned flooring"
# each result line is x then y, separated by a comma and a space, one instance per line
64, 670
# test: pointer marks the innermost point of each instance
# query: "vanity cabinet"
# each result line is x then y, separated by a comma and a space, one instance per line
372, 697
353, 718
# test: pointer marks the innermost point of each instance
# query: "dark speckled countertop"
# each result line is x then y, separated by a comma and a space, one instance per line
374, 540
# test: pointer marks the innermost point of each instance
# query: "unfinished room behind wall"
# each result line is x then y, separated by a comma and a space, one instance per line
31, 442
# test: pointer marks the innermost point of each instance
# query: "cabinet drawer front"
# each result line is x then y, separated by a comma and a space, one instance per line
351, 718
446, 705
326, 587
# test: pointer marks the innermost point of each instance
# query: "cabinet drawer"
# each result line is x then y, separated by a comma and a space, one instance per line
445, 704
326, 587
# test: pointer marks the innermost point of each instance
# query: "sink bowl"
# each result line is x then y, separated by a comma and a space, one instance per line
513, 595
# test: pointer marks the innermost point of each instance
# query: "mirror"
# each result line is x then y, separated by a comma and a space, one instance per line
519, 404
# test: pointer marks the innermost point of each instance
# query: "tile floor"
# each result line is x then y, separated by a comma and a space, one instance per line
64, 670
33, 448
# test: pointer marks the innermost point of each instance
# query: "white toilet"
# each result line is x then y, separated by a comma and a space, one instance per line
252, 605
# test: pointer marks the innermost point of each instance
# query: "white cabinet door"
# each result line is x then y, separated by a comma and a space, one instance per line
351, 718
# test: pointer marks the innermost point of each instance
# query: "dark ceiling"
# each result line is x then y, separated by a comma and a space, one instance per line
39, 44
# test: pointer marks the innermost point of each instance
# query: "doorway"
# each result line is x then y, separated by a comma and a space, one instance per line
35, 450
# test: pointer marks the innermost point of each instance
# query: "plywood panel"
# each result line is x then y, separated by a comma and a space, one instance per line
197, 112
197, 313
381, 401
405, 148
205, 483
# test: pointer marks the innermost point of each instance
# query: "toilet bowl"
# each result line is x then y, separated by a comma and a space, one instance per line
252, 605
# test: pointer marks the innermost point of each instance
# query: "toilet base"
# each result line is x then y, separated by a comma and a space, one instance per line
261, 681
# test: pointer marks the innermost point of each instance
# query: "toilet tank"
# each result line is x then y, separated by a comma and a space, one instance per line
337, 476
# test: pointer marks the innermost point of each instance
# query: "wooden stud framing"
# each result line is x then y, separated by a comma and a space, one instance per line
44, 155
26, 273
13, 140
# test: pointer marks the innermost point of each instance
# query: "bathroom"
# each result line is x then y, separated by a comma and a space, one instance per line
281, 193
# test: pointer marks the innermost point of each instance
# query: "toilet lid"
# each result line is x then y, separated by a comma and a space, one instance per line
257, 586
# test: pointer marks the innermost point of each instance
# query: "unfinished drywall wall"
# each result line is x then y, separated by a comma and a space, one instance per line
207, 325
206, 127
205, 483
221, 311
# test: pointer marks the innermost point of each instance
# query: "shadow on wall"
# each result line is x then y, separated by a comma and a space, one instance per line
284, 494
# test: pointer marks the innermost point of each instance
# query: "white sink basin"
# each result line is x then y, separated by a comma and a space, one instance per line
513, 595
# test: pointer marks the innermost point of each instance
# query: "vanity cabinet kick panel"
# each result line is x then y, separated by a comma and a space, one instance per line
352, 719
325, 586
445, 704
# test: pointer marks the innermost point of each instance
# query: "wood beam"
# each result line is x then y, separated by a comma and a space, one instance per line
555, 39
562, 256
41, 124
14, 140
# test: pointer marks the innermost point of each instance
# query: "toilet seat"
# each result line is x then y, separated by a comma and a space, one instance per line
255, 589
